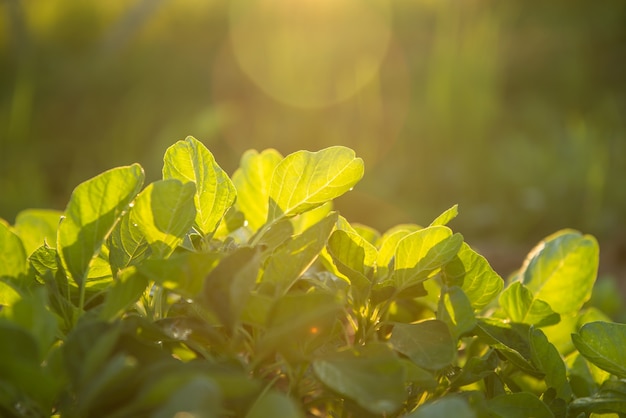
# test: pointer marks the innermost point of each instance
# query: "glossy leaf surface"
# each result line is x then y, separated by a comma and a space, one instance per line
602, 343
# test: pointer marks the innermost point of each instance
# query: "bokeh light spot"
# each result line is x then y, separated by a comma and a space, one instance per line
310, 53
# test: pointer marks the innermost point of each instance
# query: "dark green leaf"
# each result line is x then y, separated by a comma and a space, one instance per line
371, 375
519, 405
126, 290
274, 404
451, 406
228, 286
547, 359
428, 344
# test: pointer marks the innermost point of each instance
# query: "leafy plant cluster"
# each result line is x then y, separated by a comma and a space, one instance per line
250, 297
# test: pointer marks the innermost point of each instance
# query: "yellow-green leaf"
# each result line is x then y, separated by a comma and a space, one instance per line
94, 208
191, 161
304, 180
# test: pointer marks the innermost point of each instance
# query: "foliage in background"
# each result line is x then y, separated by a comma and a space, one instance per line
503, 107
251, 297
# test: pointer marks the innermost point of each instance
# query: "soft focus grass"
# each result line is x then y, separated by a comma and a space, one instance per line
514, 110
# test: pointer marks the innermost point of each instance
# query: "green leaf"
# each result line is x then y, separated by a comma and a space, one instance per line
300, 251
469, 270
561, 270
422, 252
602, 343
31, 313
183, 273
355, 258
388, 244
125, 291
450, 406
371, 375
511, 340
127, 244
228, 286
476, 368
610, 401
446, 216
304, 180
547, 359
519, 405
274, 404
164, 212
8, 296
20, 367
428, 344
252, 180
456, 311
521, 306
36, 227
298, 318
12, 254
94, 208
191, 161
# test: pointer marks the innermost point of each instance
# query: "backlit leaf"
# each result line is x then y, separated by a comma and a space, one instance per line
474, 275
12, 254
422, 252
127, 244
456, 311
300, 251
191, 161
355, 258
446, 216
602, 343
561, 270
94, 208
164, 212
36, 226
252, 181
304, 180
521, 306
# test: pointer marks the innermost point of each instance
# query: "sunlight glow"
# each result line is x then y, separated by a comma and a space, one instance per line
310, 53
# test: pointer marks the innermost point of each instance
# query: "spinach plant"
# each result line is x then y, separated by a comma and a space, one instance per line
210, 296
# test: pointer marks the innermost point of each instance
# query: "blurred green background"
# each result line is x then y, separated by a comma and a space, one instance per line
515, 110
